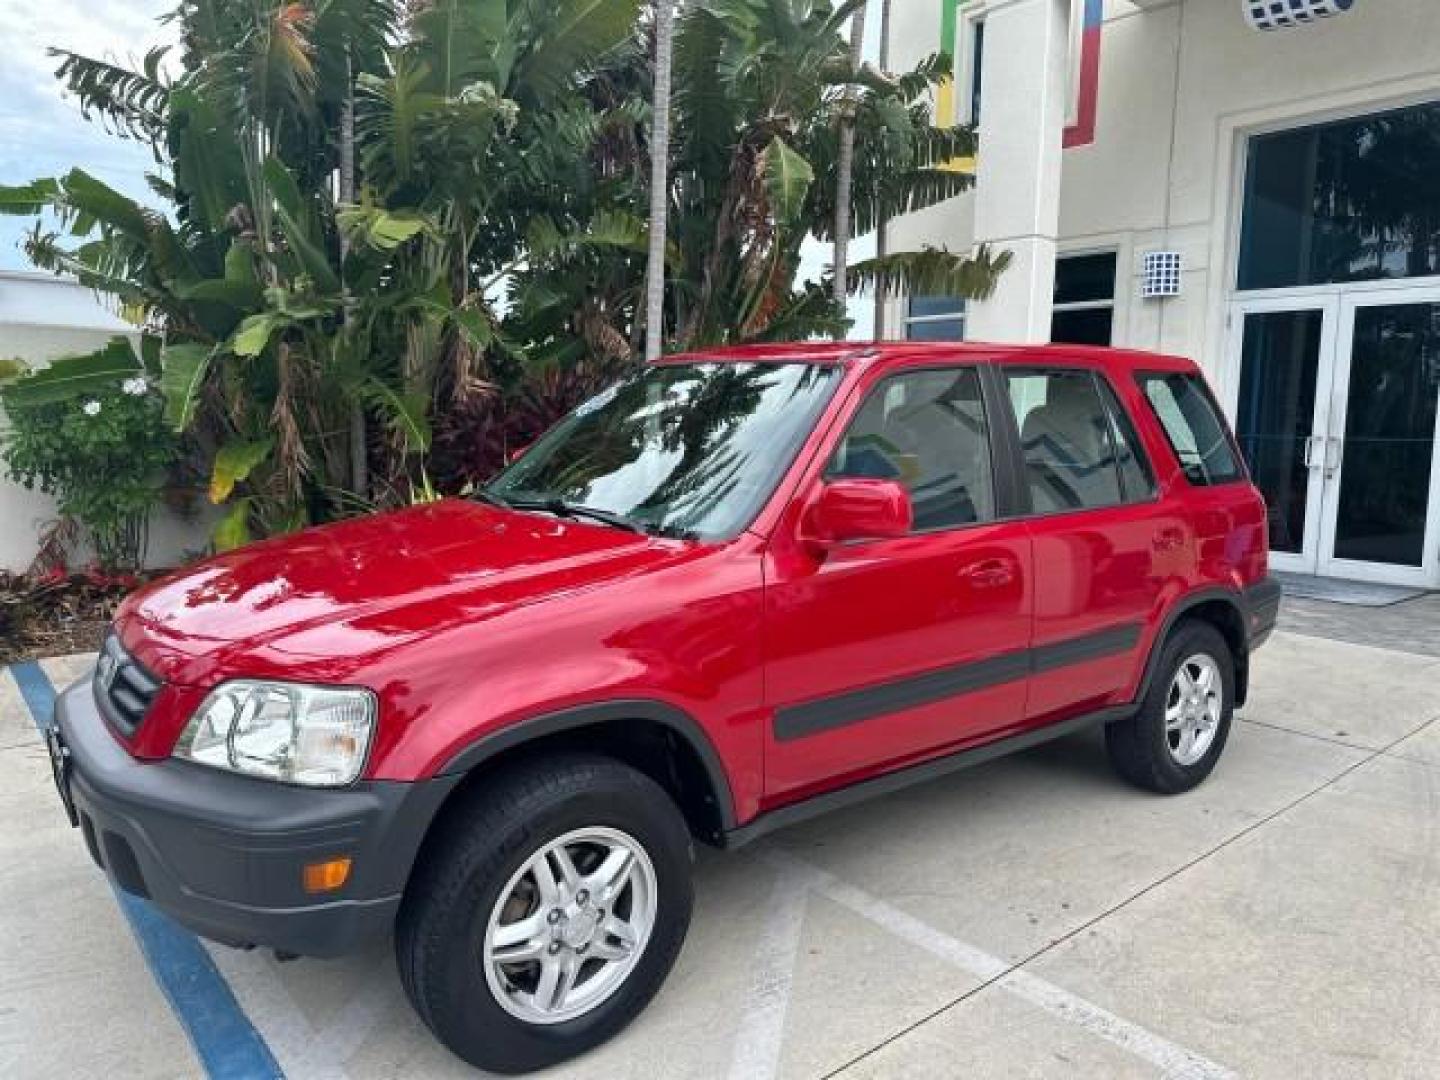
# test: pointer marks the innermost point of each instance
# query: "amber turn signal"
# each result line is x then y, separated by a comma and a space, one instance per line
326, 876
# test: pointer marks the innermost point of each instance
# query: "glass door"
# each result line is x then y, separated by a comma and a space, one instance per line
1380, 465
1281, 407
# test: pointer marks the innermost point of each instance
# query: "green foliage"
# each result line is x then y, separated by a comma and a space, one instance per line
235, 462
485, 149
101, 448
69, 378
932, 272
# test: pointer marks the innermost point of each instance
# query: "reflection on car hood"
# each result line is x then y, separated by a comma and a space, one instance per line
354, 589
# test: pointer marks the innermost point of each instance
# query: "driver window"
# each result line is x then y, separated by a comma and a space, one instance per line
927, 430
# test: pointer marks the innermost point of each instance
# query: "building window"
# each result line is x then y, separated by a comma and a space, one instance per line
1084, 311
1354, 200
977, 68
935, 318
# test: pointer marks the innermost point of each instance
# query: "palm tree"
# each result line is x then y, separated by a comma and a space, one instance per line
659, 179
845, 170
882, 224
311, 271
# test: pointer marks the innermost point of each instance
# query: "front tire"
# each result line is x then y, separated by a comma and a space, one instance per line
546, 913
1177, 735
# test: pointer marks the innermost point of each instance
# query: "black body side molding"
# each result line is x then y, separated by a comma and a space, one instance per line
918, 774
931, 687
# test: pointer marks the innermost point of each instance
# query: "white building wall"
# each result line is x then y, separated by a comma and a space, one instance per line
1181, 85
42, 319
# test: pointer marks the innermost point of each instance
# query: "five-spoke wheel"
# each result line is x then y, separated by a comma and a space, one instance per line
1178, 731
1194, 708
547, 910
570, 925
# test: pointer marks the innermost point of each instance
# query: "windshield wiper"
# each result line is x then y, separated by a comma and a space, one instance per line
561, 508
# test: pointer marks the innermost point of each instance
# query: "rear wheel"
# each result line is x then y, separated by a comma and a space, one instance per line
547, 912
1175, 738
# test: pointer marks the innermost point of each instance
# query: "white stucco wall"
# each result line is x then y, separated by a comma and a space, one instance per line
1181, 86
42, 319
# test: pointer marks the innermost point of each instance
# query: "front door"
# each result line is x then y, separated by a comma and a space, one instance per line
883, 653
1381, 477
1281, 408
1335, 408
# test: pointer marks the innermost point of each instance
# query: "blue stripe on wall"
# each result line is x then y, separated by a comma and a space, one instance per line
225, 1040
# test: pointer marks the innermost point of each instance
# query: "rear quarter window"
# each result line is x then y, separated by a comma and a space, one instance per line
1193, 425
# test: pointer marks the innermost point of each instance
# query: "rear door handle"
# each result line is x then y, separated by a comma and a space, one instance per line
990, 574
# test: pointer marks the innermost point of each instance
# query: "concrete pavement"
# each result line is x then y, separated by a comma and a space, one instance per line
1033, 917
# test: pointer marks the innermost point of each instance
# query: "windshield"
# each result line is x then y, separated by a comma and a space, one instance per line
682, 449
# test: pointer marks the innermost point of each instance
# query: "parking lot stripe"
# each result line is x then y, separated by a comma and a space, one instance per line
1175, 1061
35, 689
225, 1041
762, 1028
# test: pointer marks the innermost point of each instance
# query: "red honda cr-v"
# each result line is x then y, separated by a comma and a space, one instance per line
728, 593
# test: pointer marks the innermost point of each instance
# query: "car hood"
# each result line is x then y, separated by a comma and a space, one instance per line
347, 592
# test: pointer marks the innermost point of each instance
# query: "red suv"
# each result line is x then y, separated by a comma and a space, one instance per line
734, 591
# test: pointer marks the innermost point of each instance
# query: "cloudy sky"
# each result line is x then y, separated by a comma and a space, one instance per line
41, 133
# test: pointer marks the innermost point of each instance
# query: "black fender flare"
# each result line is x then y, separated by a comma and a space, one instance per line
681, 723
1182, 607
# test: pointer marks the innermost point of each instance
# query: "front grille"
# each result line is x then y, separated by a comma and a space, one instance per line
123, 689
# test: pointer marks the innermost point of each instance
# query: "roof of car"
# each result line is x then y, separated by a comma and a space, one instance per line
916, 352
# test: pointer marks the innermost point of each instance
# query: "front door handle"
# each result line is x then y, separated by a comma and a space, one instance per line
990, 574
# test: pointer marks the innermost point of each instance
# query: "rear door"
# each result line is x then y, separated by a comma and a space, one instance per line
1104, 546
889, 651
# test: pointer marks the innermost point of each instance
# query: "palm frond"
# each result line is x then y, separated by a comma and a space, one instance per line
931, 271
129, 103
566, 38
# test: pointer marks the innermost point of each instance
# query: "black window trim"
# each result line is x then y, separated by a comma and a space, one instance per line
1017, 460
1001, 466
1198, 378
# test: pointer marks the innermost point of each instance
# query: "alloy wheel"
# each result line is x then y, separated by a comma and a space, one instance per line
570, 926
1193, 709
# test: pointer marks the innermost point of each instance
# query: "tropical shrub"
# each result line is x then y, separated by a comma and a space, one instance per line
105, 454
392, 238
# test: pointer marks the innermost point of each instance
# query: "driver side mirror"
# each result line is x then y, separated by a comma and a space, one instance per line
855, 509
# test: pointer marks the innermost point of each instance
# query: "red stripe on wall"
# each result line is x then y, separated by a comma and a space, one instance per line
1082, 132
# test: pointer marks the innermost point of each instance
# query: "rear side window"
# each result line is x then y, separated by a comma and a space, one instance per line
1136, 477
1069, 441
928, 431
1193, 425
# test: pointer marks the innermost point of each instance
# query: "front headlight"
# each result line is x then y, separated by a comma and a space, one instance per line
313, 735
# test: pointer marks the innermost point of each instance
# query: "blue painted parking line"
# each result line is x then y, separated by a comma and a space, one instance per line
227, 1043
37, 691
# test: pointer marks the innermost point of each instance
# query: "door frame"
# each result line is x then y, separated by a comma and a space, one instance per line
1339, 304
1427, 574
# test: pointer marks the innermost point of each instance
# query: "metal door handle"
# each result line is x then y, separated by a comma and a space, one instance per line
1334, 449
991, 574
